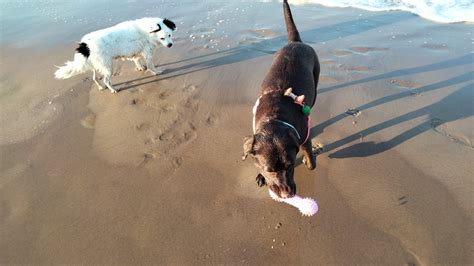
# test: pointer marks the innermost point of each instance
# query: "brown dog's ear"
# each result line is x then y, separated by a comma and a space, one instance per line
248, 146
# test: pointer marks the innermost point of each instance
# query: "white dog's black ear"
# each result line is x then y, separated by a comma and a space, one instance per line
170, 24
156, 30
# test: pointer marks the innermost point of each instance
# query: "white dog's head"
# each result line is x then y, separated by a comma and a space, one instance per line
162, 31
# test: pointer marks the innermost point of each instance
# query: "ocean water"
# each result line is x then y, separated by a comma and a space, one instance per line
443, 11
45, 23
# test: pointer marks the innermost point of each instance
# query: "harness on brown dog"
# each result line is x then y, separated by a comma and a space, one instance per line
290, 126
305, 109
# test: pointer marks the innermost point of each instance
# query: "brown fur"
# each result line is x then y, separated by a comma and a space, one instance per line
275, 145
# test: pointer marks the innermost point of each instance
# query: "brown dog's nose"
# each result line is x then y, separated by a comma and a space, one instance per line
169, 45
286, 192
284, 195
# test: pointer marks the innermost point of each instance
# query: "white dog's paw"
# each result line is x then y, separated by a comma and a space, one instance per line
101, 88
156, 71
140, 68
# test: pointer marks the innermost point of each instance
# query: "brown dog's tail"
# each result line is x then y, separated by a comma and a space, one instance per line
293, 34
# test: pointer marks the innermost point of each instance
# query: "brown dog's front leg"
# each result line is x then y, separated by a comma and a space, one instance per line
308, 157
260, 180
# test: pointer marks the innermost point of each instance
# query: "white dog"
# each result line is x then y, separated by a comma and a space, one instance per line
131, 40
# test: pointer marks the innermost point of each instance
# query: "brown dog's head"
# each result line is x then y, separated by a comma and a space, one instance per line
275, 156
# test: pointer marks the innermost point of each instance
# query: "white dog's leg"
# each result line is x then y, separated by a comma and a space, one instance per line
149, 62
107, 82
138, 63
106, 69
97, 82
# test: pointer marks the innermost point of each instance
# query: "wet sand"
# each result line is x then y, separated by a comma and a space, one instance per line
153, 174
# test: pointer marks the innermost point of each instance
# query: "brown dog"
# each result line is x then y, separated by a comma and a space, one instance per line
280, 127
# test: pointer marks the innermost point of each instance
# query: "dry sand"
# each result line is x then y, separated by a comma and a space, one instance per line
153, 174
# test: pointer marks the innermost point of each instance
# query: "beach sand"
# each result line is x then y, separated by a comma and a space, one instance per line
154, 175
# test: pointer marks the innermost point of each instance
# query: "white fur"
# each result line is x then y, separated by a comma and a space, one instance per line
132, 40
254, 112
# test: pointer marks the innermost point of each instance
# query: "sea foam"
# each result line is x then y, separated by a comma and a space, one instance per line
444, 11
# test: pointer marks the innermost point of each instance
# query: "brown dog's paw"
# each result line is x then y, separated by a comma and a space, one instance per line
260, 180
310, 164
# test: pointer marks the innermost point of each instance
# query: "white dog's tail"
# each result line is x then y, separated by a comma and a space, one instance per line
77, 66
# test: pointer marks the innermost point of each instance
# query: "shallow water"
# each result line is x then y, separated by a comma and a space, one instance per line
27, 23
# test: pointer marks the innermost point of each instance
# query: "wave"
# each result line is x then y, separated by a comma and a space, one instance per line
444, 11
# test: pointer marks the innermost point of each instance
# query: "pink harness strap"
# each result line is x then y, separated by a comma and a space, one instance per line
309, 130
309, 121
